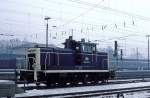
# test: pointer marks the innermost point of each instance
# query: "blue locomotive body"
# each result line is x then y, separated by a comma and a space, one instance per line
59, 58
56, 58
78, 61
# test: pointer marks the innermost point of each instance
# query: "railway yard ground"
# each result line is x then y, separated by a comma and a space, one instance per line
131, 88
115, 88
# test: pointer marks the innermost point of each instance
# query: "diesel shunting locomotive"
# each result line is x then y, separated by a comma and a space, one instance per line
78, 61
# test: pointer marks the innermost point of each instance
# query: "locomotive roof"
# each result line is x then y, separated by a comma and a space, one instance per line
56, 48
88, 43
63, 49
80, 42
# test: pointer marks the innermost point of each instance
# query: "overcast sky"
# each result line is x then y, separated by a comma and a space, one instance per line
103, 21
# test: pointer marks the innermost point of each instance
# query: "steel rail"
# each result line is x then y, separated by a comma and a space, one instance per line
92, 93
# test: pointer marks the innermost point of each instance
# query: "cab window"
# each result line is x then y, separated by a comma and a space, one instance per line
88, 48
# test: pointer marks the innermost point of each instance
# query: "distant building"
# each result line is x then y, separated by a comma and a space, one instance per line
128, 64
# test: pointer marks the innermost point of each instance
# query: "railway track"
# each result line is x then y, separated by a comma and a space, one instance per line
43, 86
87, 91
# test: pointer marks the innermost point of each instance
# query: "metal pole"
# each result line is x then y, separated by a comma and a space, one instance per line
118, 67
121, 53
47, 18
137, 59
72, 32
47, 34
148, 50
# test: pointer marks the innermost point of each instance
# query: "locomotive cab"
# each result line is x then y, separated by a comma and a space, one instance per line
80, 46
85, 52
87, 55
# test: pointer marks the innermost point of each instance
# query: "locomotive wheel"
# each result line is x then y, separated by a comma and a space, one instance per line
94, 82
37, 84
75, 83
85, 81
104, 81
49, 84
62, 84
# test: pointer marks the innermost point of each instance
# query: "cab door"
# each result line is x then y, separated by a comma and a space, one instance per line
31, 60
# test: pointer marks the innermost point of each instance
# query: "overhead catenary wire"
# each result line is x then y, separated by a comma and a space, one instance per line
112, 10
41, 8
83, 13
131, 31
